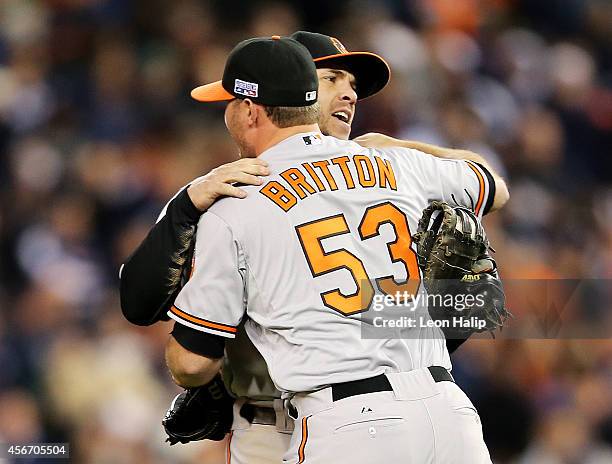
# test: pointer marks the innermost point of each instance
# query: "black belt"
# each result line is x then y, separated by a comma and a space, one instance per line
258, 414
380, 383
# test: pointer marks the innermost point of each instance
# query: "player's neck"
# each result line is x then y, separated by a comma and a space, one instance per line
277, 135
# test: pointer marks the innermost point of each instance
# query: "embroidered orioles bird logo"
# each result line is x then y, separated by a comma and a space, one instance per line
339, 45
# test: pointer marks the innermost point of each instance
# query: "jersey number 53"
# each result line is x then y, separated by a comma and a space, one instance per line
323, 262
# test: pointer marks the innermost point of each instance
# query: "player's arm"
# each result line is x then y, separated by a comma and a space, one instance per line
501, 195
501, 189
150, 278
454, 176
209, 308
189, 369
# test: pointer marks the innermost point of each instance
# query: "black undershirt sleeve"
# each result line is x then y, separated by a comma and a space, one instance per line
202, 343
151, 277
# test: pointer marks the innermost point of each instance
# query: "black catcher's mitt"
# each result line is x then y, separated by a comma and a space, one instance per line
461, 279
201, 413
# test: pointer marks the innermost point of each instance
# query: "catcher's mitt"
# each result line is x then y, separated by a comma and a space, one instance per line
201, 413
461, 279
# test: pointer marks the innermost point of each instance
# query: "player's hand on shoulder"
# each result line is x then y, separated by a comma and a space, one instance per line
205, 190
376, 140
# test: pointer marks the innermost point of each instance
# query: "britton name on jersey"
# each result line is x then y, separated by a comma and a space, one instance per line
329, 175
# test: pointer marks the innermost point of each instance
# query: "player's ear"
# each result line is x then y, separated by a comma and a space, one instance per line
251, 111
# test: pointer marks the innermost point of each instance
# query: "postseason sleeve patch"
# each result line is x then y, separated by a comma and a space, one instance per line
248, 89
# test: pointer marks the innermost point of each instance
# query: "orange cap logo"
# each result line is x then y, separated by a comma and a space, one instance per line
341, 48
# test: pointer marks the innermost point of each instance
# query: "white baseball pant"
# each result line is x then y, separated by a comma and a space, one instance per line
419, 421
258, 443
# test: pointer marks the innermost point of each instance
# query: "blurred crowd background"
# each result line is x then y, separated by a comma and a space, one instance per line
97, 132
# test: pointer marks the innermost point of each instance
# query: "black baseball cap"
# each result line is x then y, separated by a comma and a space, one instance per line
272, 71
371, 72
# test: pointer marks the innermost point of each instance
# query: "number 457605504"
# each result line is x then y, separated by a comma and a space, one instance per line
323, 262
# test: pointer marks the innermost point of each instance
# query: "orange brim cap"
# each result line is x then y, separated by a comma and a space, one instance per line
211, 93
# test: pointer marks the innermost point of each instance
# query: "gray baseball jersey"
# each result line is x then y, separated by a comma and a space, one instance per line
303, 255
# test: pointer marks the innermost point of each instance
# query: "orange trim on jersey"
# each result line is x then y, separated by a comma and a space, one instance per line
304, 439
203, 322
228, 451
481, 182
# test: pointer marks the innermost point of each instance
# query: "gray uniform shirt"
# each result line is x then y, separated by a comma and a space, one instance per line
296, 263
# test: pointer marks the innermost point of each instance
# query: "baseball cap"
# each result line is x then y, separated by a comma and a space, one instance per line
272, 71
371, 72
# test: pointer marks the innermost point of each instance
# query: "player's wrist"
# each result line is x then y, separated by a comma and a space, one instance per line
187, 207
199, 201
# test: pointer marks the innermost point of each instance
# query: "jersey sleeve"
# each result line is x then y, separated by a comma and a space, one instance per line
457, 182
151, 276
214, 298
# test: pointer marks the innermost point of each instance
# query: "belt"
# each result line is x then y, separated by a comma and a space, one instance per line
380, 383
258, 414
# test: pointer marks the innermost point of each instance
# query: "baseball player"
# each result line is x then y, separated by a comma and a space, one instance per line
151, 276
300, 255
149, 280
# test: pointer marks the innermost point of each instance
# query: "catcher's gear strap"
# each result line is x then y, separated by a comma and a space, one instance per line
151, 277
202, 343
